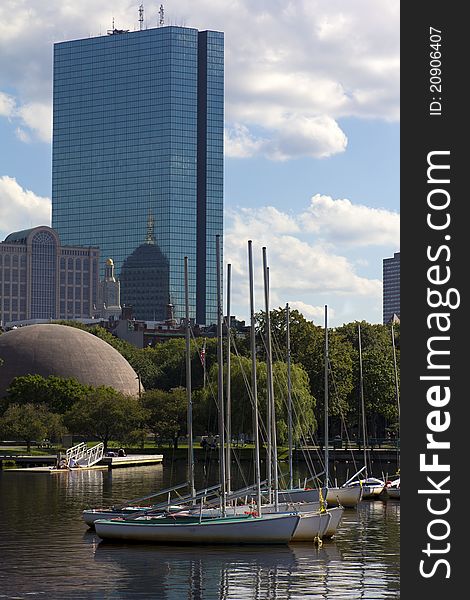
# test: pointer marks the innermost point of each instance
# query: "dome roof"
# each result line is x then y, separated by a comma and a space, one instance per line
146, 256
49, 349
145, 282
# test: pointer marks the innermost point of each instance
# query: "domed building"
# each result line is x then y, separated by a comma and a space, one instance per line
50, 349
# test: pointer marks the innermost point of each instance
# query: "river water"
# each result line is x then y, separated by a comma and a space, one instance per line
47, 552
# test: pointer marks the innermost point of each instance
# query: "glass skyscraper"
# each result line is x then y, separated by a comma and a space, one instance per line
138, 137
391, 288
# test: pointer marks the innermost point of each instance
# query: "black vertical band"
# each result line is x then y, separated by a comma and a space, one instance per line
201, 236
434, 363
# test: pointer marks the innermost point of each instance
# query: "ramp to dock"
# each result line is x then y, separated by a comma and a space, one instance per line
83, 456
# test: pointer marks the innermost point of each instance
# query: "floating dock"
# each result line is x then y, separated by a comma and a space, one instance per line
107, 462
132, 460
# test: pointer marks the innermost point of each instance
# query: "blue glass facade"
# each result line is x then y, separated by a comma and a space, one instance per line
391, 287
138, 132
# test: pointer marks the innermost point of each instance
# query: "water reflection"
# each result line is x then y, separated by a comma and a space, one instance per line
47, 551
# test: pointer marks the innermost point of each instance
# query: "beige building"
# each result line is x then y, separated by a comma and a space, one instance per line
109, 297
40, 279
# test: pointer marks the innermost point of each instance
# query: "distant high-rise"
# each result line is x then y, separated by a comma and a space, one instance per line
138, 131
391, 288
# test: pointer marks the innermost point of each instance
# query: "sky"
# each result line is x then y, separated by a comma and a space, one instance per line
311, 136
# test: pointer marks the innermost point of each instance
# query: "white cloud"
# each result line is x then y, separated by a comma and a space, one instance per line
7, 105
292, 68
317, 137
295, 136
20, 208
309, 270
312, 313
38, 117
349, 223
22, 135
35, 117
239, 143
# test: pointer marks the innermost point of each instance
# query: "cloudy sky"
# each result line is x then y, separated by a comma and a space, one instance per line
311, 139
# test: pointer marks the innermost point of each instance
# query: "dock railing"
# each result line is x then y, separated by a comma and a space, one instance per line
84, 456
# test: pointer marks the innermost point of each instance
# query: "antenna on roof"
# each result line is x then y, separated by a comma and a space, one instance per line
141, 16
161, 12
111, 31
115, 31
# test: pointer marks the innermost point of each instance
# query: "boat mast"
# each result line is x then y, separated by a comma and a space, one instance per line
188, 383
220, 381
363, 409
289, 399
272, 446
397, 392
228, 384
253, 378
327, 441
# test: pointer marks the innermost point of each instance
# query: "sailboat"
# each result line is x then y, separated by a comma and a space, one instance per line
252, 528
340, 497
246, 529
133, 508
371, 487
345, 496
303, 500
296, 494
393, 487
315, 520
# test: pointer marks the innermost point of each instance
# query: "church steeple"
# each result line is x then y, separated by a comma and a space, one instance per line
109, 270
109, 293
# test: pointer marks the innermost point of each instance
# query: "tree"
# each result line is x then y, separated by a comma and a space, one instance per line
304, 421
107, 415
30, 422
166, 413
58, 393
170, 357
378, 374
303, 403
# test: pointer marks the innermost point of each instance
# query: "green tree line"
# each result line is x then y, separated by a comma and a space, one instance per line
54, 405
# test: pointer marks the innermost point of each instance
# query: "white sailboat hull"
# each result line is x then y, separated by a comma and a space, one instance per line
349, 497
336, 514
393, 489
371, 487
270, 529
369, 492
312, 524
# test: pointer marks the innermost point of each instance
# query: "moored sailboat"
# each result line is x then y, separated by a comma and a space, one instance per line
393, 489
246, 529
253, 528
371, 487
335, 496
